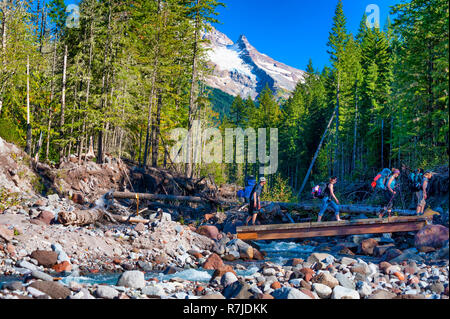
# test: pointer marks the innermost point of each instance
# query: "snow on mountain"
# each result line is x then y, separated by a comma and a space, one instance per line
239, 69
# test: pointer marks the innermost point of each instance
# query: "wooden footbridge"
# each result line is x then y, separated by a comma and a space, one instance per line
325, 229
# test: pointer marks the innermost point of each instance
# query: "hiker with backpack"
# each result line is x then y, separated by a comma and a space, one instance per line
390, 193
379, 181
422, 194
324, 192
254, 201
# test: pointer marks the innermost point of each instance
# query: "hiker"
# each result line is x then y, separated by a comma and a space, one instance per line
379, 182
390, 193
255, 202
326, 201
422, 193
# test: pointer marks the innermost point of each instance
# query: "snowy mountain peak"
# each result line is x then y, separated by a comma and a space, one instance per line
239, 69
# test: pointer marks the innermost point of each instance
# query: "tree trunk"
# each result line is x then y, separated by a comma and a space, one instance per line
28, 147
155, 146
192, 105
317, 152
63, 103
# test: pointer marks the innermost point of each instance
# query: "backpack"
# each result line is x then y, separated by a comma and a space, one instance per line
249, 188
415, 182
318, 191
380, 180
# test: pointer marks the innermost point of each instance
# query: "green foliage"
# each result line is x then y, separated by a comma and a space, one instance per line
279, 191
8, 199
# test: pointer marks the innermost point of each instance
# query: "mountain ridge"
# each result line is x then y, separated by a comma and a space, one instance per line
238, 68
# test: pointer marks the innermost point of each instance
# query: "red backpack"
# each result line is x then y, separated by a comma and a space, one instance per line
374, 183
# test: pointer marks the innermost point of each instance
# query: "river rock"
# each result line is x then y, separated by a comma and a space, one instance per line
367, 246
27, 265
437, 287
344, 281
361, 268
228, 278
325, 278
14, 286
431, 236
321, 257
379, 250
340, 292
132, 279
6, 234
363, 289
289, 293
154, 291
237, 290
45, 258
41, 275
46, 217
348, 261
51, 288
390, 254
382, 294
209, 231
407, 257
106, 292
213, 262
323, 291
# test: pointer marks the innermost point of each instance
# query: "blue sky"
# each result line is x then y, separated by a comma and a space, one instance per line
291, 31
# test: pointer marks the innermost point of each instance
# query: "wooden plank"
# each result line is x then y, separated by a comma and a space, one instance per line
330, 224
307, 230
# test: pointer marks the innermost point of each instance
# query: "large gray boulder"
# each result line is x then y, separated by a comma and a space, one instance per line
132, 279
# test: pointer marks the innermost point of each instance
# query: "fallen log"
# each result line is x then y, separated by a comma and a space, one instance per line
350, 209
92, 216
170, 198
80, 217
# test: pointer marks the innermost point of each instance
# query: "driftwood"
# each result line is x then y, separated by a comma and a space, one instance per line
92, 216
170, 198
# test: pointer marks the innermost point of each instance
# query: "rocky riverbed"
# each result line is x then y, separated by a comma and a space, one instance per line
40, 258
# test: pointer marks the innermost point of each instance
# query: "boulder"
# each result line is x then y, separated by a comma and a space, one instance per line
63, 266
51, 288
228, 278
5, 233
223, 270
46, 217
213, 262
320, 257
340, 292
308, 274
390, 254
132, 279
431, 236
344, 281
382, 294
41, 275
45, 258
289, 293
154, 291
106, 292
323, 291
325, 278
379, 250
209, 231
237, 290
367, 246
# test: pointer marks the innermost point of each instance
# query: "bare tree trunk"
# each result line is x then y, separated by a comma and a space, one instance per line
356, 126
382, 142
52, 92
155, 146
4, 6
28, 147
317, 152
63, 103
192, 105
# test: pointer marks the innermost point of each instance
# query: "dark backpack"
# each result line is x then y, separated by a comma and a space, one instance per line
415, 181
318, 191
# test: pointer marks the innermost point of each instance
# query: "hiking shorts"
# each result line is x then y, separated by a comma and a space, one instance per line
387, 198
421, 202
251, 209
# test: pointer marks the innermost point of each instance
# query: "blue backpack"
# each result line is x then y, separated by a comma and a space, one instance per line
248, 189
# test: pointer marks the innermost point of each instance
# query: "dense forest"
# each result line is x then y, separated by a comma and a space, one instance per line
120, 75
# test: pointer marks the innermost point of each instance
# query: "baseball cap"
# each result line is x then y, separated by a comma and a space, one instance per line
262, 179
